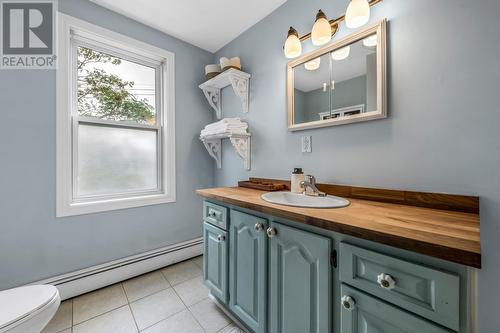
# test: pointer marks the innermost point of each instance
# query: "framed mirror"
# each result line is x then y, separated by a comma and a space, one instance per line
341, 83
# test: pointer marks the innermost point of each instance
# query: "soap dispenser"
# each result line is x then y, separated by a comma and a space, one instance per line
296, 179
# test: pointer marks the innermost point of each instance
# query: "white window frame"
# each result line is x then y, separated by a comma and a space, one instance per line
72, 33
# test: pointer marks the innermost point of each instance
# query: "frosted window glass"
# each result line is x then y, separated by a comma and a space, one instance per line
116, 160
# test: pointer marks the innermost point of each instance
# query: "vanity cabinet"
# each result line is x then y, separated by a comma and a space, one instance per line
248, 269
299, 281
279, 276
270, 264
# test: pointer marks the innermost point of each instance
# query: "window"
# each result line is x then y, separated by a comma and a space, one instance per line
115, 121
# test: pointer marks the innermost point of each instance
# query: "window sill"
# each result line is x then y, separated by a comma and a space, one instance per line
88, 207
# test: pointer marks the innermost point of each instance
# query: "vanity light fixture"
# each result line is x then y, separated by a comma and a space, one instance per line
370, 41
322, 31
293, 47
358, 14
313, 65
341, 54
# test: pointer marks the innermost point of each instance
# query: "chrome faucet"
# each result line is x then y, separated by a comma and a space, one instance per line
310, 182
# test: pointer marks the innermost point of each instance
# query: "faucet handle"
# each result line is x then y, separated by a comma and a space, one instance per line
311, 179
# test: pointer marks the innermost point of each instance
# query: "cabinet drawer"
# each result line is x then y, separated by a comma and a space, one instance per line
363, 313
425, 291
215, 214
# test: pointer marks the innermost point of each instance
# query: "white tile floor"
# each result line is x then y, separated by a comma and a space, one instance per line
170, 300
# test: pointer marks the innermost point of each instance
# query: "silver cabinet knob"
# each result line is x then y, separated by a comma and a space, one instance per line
386, 281
211, 213
259, 226
221, 238
271, 232
348, 302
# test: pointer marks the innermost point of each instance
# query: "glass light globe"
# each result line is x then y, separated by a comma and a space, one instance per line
357, 14
293, 47
322, 31
312, 65
341, 54
370, 41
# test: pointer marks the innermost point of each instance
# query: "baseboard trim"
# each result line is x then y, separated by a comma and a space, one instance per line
99, 276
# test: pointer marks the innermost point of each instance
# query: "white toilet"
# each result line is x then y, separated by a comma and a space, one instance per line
27, 309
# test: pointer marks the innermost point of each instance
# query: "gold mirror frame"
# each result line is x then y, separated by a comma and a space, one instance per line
380, 30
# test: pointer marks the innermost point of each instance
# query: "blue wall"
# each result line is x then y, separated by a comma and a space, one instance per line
34, 244
442, 134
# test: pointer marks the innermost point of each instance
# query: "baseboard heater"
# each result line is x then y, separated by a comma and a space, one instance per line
99, 276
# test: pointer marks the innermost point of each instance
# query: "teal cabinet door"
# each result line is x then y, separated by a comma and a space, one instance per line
215, 266
248, 269
362, 313
300, 281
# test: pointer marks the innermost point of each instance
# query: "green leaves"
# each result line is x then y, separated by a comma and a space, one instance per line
106, 96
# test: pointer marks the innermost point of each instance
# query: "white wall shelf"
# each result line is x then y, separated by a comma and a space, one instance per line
237, 79
240, 142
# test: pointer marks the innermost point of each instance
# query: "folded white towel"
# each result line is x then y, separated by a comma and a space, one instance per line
226, 125
225, 122
222, 130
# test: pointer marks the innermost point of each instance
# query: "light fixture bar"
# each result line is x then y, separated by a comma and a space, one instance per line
334, 23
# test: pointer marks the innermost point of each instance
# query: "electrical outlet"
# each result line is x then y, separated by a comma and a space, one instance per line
306, 144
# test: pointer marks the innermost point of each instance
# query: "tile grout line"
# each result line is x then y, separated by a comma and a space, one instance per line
129, 308
189, 310
173, 314
108, 311
170, 287
73, 324
185, 261
196, 319
121, 306
153, 293
72, 315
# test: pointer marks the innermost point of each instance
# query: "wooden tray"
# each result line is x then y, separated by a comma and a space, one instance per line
262, 185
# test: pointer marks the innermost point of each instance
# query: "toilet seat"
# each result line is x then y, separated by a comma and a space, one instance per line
30, 306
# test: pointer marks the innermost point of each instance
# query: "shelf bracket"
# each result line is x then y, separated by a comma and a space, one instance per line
214, 99
242, 147
214, 148
240, 87
212, 89
240, 143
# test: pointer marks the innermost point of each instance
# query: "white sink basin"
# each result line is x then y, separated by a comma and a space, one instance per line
302, 200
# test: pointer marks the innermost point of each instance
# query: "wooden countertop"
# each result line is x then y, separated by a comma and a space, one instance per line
444, 234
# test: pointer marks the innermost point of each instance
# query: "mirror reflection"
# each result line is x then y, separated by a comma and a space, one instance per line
339, 84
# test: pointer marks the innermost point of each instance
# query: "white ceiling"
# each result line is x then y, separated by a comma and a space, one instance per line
207, 24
